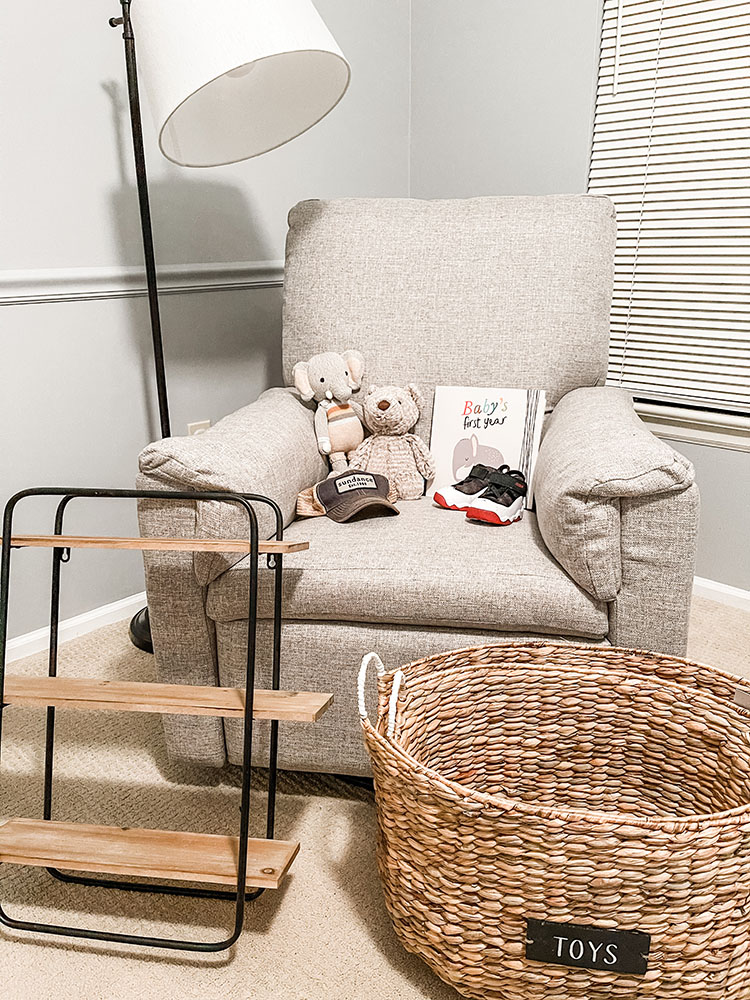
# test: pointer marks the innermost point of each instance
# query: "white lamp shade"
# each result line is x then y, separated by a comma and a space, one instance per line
231, 79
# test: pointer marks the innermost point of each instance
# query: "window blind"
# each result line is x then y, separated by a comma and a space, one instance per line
671, 147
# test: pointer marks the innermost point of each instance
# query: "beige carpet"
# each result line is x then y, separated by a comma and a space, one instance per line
325, 935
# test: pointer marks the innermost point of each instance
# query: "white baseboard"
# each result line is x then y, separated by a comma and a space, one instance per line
89, 621
722, 593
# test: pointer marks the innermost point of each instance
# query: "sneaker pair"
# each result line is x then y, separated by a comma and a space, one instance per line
495, 496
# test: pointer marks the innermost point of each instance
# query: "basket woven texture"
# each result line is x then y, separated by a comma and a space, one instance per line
605, 787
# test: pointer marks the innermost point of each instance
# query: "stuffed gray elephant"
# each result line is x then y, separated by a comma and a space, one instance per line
331, 379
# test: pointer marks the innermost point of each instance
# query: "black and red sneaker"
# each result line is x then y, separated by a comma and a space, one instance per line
460, 495
502, 502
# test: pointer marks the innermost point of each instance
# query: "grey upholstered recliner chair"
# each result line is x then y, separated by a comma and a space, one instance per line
489, 291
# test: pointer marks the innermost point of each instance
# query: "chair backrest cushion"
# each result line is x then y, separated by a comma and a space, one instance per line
507, 291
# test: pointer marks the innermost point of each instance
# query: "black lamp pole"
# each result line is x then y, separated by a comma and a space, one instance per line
145, 210
140, 626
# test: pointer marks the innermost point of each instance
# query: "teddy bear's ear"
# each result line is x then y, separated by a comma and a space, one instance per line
416, 395
301, 376
356, 365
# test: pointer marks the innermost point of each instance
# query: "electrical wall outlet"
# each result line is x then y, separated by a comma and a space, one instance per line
199, 426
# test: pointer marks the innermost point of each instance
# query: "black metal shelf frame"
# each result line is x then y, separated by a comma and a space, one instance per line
62, 555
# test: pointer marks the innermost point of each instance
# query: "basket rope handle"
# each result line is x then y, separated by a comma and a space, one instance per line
367, 659
398, 678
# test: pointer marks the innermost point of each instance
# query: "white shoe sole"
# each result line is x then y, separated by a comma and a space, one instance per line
495, 513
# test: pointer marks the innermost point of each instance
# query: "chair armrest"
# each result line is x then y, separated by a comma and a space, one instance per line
268, 447
596, 459
659, 537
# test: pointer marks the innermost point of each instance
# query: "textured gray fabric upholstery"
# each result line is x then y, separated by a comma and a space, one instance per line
326, 656
184, 638
486, 291
268, 447
658, 537
428, 566
500, 291
595, 453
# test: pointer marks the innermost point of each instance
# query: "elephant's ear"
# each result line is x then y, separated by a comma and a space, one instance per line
301, 377
355, 363
416, 395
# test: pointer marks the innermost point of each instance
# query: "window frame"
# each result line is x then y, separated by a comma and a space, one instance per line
681, 421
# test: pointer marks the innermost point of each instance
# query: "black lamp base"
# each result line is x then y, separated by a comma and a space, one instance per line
140, 631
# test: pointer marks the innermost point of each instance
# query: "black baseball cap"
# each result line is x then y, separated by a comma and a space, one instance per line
347, 494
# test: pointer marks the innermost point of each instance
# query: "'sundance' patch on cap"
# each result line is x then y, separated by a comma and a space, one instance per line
347, 494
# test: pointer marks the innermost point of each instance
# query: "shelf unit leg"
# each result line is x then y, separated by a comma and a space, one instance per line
275, 563
58, 557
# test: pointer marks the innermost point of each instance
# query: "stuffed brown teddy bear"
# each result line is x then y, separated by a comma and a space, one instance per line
389, 413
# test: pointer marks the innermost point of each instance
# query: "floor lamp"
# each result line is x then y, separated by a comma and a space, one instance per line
227, 80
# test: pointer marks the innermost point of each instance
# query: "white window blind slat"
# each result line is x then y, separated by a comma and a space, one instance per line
650, 8
673, 109
631, 258
675, 291
648, 12
671, 148
707, 381
686, 241
677, 23
619, 169
693, 181
709, 54
670, 78
672, 357
645, 341
732, 77
675, 215
724, 33
692, 302
671, 232
685, 126
710, 35
649, 313
675, 201
728, 138
670, 172
665, 320
628, 323
673, 385
730, 58
683, 83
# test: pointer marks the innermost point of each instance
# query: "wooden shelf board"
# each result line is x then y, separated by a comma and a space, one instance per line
155, 544
169, 699
162, 854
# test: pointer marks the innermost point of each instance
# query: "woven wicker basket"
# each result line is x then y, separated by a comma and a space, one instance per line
601, 787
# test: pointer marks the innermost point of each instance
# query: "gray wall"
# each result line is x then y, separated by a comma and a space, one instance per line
724, 479
502, 96
448, 98
76, 405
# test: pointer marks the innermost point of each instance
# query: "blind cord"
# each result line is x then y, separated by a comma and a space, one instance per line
642, 210
618, 41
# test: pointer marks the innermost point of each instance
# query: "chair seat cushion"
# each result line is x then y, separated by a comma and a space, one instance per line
427, 566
